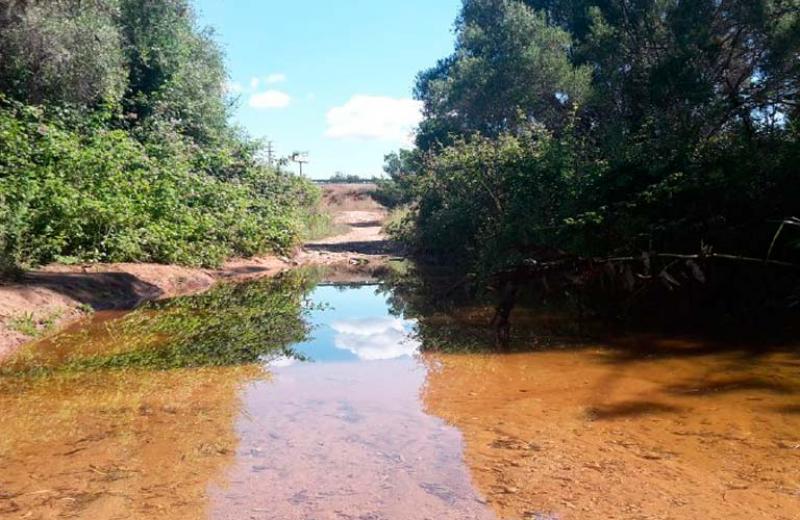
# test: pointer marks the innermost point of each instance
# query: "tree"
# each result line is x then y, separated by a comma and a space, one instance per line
509, 69
674, 123
176, 73
61, 51
115, 143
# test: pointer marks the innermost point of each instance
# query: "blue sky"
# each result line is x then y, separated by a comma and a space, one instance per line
330, 77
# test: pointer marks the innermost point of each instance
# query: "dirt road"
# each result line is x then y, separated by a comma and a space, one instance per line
361, 220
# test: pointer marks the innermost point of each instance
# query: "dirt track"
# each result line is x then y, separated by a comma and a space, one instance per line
353, 208
51, 297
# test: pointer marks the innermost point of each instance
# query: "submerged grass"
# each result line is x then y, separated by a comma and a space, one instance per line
231, 324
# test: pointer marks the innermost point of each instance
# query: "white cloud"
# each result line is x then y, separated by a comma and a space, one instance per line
275, 78
375, 338
375, 117
254, 83
269, 99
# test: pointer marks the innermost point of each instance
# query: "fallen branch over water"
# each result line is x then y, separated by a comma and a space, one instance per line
701, 256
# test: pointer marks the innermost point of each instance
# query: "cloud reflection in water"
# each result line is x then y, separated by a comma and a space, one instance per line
375, 338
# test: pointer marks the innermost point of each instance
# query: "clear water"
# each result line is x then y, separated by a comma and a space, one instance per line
203, 422
345, 435
354, 324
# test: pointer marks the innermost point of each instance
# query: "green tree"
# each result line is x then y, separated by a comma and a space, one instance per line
509, 69
61, 51
176, 73
642, 125
115, 143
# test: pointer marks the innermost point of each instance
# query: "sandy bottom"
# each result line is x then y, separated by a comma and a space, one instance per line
117, 445
345, 441
594, 434
580, 434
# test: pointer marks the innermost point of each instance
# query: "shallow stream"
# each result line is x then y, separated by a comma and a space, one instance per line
344, 415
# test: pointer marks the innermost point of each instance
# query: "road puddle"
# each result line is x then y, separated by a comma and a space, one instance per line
288, 399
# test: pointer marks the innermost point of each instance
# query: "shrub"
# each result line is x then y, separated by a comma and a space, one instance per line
96, 194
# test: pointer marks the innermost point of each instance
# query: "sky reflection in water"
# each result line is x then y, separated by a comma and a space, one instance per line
354, 324
347, 436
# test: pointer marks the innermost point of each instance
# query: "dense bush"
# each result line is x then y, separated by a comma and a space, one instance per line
604, 128
115, 143
99, 194
511, 194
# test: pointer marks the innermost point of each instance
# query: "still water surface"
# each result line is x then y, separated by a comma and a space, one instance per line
367, 427
344, 434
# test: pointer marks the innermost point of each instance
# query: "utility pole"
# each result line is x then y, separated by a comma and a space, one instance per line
300, 158
270, 154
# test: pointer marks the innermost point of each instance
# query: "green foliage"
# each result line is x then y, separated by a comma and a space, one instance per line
400, 224
24, 324
606, 128
115, 143
348, 178
320, 224
398, 189
510, 67
101, 195
509, 194
61, 51
176, 74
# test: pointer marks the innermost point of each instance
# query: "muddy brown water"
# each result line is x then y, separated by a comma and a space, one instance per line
370, 428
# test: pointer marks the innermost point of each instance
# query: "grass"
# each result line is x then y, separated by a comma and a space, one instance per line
320, 224
30, 325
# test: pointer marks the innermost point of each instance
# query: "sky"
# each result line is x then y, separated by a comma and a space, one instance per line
333, 78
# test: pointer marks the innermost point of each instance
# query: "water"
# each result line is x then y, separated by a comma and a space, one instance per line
344, 435
287, 399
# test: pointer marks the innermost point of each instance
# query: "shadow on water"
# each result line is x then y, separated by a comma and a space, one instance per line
730, 385
789, 409
629, 409
455, 315
583, 417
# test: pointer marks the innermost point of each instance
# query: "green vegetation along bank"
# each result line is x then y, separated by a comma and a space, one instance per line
115, 142
647, 144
